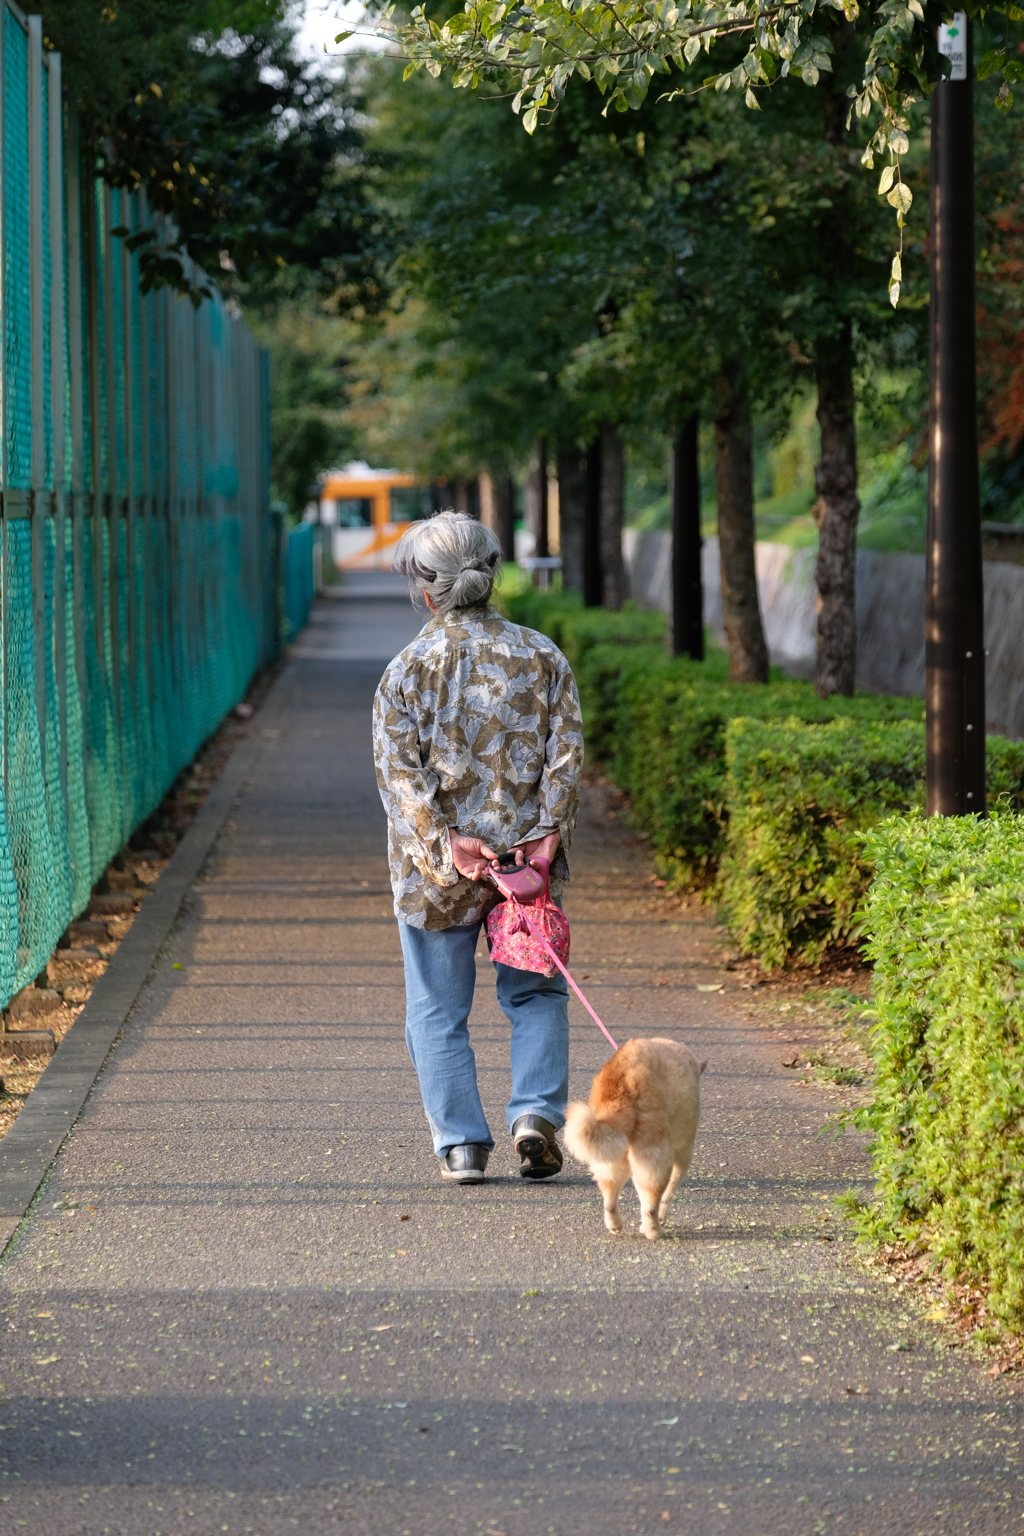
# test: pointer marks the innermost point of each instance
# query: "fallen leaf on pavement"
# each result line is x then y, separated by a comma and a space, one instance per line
383, 1328
48, 1360
714, 986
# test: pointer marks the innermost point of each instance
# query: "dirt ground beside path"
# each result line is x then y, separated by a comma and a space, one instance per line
246, 1302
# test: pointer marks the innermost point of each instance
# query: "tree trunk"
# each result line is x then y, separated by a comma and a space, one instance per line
543, 540
734, 478
593, 580
835, 475
497, 509
535, 501
835, 512
572, 516
612, 508
686, 625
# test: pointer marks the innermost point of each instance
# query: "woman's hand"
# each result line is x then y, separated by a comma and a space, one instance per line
471, 856
538, 848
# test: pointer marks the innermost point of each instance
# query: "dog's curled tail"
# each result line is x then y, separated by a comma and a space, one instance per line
589, 1139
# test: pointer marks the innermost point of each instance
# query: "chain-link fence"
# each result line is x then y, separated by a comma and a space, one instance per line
135, 550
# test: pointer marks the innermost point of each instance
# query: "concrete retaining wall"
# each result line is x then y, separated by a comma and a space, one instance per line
890, 616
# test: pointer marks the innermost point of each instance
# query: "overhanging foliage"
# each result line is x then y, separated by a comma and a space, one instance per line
626, 48
252, 160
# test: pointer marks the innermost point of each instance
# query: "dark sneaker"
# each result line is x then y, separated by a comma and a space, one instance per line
465, 1165
539, 1153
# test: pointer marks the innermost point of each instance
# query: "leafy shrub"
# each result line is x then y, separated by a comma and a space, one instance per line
800, 797
575, 629
658, 723
661, 730
1004, 770
789, 782
945, 918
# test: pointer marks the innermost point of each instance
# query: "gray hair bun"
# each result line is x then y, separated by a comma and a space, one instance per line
451, 556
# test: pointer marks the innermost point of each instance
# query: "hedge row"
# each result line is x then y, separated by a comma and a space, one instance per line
659, 723
799, 800
764, 790
797, 810
946, 919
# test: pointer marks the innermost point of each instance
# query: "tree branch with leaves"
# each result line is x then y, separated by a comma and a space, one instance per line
631, 47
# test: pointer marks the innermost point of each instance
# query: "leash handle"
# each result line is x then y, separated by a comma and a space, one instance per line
542, 940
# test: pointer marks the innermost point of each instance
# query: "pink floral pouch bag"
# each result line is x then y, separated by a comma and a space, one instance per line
517, 926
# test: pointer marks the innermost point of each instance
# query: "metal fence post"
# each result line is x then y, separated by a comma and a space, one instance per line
58, 413
37, 331
76, 403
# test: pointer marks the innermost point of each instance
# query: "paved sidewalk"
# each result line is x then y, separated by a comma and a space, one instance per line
245, 1302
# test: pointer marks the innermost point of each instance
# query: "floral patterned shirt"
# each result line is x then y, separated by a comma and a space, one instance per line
477, 728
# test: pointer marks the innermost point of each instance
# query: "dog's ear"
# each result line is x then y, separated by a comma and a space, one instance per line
703, 1068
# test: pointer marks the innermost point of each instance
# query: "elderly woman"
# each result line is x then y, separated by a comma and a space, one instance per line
479, 747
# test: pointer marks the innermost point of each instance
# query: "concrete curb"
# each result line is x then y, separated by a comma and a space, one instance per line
31, 1145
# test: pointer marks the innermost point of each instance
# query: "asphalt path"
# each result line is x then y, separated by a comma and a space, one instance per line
245, 1301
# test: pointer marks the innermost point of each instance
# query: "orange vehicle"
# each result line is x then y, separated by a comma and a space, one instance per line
367, 511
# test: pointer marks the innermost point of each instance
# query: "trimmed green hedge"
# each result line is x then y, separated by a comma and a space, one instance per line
658, 723
800, 798
576, 630
765, 788
945, 917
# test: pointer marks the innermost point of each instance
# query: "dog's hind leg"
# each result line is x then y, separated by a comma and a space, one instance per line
609, 1179
679, 1171
652, 1172
682, 1154
675, 1179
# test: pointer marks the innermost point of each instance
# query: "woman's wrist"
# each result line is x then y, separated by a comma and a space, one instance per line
543, 847
470, 855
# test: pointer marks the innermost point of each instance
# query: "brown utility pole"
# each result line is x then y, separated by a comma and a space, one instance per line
593, 576
954, 614
686, 630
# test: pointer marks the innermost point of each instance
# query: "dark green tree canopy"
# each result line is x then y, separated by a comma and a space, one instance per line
604, 268
255, 159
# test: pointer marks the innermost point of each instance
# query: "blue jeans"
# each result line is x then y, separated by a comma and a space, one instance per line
440, 973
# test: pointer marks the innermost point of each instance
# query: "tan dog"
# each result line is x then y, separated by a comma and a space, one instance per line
641, 1122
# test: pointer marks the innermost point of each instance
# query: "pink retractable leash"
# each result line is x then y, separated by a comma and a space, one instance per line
543, 941
531, 880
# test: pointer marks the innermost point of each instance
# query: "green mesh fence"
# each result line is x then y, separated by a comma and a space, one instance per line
298, 578
136, 565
